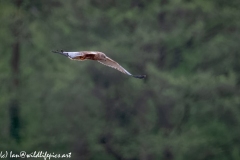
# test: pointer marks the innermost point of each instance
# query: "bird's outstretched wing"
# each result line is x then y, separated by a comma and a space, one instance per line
111, 63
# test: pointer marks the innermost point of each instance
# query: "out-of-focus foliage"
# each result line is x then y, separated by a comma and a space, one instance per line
188, 107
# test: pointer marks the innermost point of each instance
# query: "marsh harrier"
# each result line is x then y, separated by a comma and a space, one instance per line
97, 56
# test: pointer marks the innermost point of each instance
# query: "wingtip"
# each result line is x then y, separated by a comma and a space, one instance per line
56, 51
139, 76
60, 52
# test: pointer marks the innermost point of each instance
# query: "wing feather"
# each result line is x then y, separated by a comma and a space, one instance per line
111, 63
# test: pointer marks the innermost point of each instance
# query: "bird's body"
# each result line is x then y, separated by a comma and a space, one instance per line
98, 56
84, 55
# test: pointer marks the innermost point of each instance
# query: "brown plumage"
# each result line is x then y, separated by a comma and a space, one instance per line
98, 56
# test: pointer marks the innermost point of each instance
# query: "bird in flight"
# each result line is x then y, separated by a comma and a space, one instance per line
98, 56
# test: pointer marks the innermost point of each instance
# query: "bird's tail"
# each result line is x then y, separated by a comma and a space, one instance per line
139, 76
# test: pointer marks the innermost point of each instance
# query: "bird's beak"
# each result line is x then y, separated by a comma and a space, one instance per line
61, 52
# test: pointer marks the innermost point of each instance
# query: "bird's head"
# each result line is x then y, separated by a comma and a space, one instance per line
103, 56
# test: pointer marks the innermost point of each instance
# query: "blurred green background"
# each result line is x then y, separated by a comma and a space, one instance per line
188, 107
